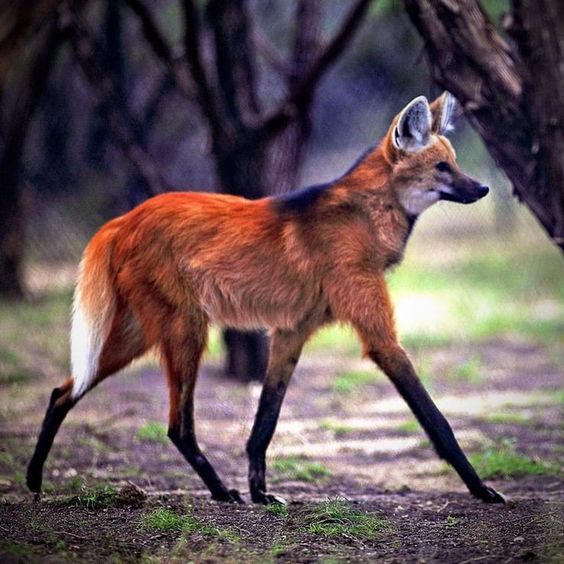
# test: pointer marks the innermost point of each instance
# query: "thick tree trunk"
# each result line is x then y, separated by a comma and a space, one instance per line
12, 214
500, 97
538, 29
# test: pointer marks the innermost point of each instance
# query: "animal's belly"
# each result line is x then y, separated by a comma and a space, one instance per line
250, 307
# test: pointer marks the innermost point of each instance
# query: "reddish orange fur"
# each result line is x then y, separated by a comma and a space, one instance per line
157, 276
181, 260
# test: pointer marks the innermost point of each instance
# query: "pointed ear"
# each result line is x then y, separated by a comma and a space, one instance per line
443, 110
413, 126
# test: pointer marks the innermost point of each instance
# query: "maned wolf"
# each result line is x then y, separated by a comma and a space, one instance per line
157, 276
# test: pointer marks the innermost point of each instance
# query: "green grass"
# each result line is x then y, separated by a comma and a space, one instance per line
34, 338
338, 339
411, 426
165, 520
301, 469
153, 431
506, 419
482, 291
338, 429
503, 461
337, 517
347, 382
471, 371
278, 509
98, 497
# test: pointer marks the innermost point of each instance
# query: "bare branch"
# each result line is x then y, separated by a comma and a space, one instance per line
234, 59
194, 58
304, 89
173, 63
123, 126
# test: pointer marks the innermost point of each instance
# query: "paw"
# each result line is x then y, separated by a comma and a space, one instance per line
268, 499
231, 496
489, 495
33, 481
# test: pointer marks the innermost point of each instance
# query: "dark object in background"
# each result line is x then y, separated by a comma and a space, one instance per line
246, 355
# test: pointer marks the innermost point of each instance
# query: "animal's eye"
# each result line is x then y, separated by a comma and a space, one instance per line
443, 167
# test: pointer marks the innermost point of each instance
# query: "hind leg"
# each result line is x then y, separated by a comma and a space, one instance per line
285, 349
182, 352
124, 343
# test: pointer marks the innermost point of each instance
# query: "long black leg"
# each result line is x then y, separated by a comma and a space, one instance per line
56, 412
182, 357
398, 367
285, 349
184, 439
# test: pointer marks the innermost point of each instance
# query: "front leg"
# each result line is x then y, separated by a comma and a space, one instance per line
397, 366
285, 349
364, 302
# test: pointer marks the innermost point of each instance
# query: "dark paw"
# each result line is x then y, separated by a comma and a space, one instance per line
231, 496
268, 499
33, 480
489, 495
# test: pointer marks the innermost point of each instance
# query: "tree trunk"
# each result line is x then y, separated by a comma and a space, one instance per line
12, 214
501, 100
538, 28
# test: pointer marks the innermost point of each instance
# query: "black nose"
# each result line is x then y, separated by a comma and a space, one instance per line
483, 190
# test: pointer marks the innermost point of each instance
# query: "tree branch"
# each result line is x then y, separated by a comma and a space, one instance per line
122, 125
157, 41
192, 38
304, 89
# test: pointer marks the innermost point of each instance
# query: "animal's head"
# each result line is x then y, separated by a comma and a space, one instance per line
424, 162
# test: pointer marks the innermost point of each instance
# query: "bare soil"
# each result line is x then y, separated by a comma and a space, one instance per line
360, 441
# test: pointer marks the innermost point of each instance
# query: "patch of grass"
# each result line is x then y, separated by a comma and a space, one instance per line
12, 368
411, 426
506, 419
337, 517
338, 339
338, 429
98, 497
479, 292
470, 371
347, 382
20, 552
452, 521
278, 509
75, 484
162, 519
296, 468
28, 353
153, 431
503, 461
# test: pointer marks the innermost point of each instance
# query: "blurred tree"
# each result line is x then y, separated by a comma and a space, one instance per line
510, 92
30, 85
256, 151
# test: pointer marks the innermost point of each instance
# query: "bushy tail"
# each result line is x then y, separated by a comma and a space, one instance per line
93, 310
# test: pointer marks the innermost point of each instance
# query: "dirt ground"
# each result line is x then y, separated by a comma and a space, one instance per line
335, 439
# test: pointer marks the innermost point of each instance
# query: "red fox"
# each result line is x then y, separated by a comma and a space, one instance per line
157, 276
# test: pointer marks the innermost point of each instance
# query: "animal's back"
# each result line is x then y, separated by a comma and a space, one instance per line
232, 257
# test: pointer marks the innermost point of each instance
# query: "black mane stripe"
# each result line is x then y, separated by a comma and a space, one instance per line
299, 200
